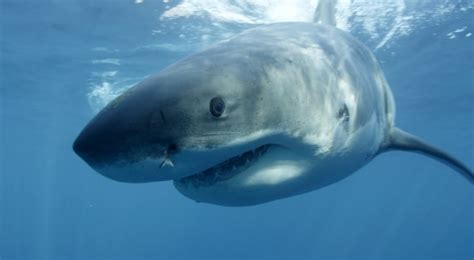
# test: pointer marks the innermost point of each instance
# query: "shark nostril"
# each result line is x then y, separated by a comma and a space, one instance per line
172, 147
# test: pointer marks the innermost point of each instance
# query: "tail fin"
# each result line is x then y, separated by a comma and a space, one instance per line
401, 140
325, 12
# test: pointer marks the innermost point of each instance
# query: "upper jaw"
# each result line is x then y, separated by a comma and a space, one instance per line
237, 156
158, 162
165, 165
226, 169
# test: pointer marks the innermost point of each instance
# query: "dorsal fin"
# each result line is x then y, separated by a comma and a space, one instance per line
325, 12
401, 140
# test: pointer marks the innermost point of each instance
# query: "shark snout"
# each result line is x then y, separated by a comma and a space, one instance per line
106, 139
122, 125
125, 152
125, 137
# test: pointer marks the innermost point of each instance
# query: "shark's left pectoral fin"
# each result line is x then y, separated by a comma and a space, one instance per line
401, 140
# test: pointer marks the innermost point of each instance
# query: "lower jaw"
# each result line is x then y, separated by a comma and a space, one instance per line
281, 173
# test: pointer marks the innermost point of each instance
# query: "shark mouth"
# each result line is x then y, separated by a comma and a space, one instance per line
225, 170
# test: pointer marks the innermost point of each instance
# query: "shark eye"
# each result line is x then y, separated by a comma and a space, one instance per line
217, 106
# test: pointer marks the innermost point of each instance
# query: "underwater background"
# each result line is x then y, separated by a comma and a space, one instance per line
61, 61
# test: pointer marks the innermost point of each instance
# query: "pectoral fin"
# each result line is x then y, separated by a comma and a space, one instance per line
401, 140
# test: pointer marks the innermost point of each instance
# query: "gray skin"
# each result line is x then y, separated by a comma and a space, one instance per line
306, 105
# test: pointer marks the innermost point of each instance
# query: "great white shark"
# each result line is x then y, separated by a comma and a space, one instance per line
275, 111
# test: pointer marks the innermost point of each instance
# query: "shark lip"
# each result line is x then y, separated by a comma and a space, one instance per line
227, 169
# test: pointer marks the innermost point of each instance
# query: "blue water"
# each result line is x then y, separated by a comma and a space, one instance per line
53, 206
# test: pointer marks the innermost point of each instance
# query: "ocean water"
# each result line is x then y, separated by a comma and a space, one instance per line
61, 61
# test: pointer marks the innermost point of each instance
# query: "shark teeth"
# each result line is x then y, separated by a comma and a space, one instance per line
226, 169
166, 162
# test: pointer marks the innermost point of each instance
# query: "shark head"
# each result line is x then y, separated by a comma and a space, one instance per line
201, 121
